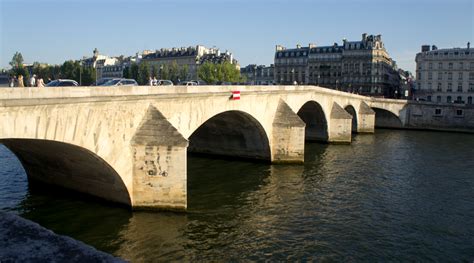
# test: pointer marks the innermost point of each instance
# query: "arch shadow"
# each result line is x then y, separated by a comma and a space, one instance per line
316, 124
68, 166
350, 109
231, 134
386, 119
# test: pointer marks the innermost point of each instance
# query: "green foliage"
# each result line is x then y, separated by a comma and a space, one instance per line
143, 73
174, 72
183, 72
154, 71
17, 61
164, 72
214, 73
134, 71
88, 76
126, 72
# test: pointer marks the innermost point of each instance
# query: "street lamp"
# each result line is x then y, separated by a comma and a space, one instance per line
80, 72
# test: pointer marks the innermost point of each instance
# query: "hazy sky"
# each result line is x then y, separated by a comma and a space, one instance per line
55, 31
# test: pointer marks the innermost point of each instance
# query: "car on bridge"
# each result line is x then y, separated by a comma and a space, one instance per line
62, 83
164, 82
120, 82
188, 83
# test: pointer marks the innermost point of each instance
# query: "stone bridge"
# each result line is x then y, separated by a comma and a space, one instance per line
129, 144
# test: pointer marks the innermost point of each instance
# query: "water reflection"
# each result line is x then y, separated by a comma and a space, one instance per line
395, 195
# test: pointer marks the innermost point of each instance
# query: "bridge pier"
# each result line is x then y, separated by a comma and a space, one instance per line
159, 165
339, 125
366, 119
288, 136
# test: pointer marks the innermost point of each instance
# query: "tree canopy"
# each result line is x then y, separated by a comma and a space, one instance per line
215, 73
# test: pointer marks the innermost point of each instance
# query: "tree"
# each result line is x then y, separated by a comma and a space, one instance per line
154, 71
88, 76
207, 72
126, 72
17, 61
134, 71
143, 73
164, 72
174, 71
183, 73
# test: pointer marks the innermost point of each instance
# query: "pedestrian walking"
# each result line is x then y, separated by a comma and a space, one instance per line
155, 81
12, 81
40, 82
33, 81
20, 81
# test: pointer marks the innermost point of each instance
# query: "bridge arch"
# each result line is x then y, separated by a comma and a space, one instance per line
351, 110
69, 166
316, 123
386, 119
231, 133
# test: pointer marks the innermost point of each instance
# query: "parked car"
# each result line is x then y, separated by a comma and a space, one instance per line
102, 81
187, 83
199, 82
165, 82
120, 82
62, 83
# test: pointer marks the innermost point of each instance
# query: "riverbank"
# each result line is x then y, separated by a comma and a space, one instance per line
22, 240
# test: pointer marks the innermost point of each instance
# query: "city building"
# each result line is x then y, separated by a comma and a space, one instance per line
258, 75
361, 66
191, 57
445, 75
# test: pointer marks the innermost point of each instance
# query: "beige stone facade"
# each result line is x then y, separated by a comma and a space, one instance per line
363, 67
445, 75
191, 57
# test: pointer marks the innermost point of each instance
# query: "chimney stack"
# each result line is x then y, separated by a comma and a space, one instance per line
468, 45
425, 48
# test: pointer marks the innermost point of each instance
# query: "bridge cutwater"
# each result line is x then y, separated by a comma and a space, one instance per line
129, 144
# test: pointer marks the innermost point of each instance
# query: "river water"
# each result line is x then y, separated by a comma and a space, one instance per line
391, 196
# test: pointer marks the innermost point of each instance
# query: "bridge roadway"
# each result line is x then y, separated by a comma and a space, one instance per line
129, 144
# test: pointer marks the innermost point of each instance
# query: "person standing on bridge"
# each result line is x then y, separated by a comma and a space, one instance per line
33, 81
40, 82
20, 81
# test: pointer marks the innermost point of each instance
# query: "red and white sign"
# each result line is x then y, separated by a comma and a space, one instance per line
235, 95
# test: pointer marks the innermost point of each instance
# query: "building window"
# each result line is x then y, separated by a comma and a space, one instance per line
438, 111
460, 76
459, 113
438, 98
450, 87
459, 99
471, 65
461, 65
428, 98
469, 100
430, 66
450, 76
471, 87
460, 87
440, 76
450, 66
448, 99
440, 65
471, 75
439, 86
430, 75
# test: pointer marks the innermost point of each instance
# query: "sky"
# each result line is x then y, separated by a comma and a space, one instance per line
58, 30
